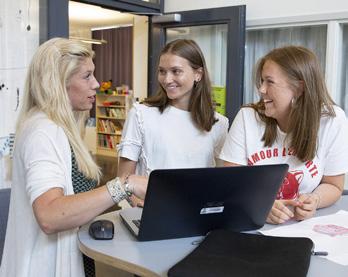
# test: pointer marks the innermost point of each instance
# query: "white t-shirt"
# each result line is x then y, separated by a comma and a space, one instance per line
42, 160
244, 146
169, 140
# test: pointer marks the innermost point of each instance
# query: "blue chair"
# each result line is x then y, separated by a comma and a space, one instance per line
4, 205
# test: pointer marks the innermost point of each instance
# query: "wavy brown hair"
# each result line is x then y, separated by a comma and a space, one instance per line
200, 105
300, 65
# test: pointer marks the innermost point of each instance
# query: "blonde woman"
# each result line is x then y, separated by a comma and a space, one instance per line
54, 176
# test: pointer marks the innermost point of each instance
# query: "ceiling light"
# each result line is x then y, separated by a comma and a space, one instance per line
89, 40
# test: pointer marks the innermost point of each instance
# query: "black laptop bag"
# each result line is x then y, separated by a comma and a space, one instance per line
227, 253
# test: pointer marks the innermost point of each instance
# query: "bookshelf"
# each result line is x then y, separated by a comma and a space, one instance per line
111, 112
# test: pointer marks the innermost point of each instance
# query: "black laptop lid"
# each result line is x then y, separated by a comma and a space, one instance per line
190, 202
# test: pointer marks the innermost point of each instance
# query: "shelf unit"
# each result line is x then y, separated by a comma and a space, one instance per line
111, 112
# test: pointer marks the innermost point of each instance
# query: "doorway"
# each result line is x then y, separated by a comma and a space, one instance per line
84, 19
120, 41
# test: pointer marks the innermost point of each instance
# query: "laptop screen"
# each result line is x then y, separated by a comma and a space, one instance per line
192, 202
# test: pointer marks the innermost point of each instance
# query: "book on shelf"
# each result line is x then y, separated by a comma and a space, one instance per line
111, 112
102, 111
108, 141
100, 126
114, 127
116, 113
109, 126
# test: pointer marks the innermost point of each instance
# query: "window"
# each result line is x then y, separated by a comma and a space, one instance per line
212, 39
260, 42
343, 93
343, 96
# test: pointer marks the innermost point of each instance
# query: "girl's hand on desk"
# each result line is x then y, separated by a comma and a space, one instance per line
308, 206
281, 211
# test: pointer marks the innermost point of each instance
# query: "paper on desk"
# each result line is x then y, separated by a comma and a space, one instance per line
337, 246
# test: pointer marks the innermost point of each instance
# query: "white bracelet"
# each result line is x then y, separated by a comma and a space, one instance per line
116, 190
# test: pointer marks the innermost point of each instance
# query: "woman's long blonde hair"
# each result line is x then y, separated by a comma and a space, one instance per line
45, 90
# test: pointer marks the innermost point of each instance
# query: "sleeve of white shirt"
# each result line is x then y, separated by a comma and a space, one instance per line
234, 149
43, 164
337, 155
131, 141
222, 133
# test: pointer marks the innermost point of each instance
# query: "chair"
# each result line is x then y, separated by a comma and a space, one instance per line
4, 205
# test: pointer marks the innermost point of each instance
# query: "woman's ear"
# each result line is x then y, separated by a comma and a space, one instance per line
300, 88
198, 74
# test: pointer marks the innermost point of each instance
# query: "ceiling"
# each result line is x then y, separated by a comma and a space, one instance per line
91, 16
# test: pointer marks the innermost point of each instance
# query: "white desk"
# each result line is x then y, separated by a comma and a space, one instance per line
156, 257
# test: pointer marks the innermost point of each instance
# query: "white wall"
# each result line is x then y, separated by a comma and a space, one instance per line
257, 9
140, 50
17, 45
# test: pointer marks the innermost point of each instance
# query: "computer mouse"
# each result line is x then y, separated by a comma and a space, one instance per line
101, 229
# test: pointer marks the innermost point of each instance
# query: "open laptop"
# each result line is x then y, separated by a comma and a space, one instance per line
191, 202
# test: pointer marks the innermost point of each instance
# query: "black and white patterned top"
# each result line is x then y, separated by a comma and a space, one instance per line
82, 184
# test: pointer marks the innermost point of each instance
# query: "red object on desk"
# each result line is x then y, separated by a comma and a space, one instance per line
291, 183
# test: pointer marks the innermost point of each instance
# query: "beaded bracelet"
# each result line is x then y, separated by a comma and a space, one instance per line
129, 188
116, 190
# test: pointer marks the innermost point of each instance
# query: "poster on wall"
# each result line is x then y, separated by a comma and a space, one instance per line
219, 99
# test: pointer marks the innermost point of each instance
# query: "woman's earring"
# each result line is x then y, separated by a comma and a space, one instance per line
293, 102
195, 83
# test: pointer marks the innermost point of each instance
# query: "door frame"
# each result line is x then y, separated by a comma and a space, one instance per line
54, 22
234, 17
54, 14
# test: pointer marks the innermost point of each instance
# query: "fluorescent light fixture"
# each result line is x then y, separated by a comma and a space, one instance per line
89, 40
111, 27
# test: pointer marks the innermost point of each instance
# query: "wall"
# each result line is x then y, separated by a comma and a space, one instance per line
140, 50
266, 9
17, 46
79, 31
19, 37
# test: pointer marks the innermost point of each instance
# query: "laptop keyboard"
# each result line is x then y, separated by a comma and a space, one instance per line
136, 222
